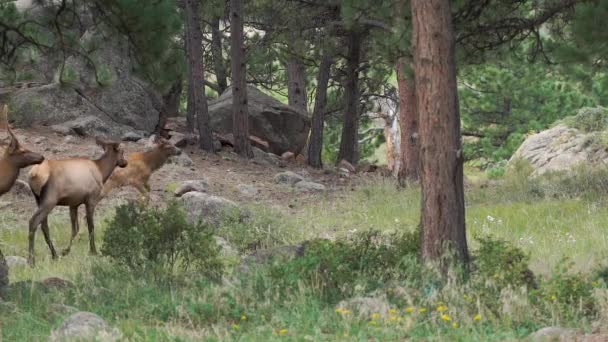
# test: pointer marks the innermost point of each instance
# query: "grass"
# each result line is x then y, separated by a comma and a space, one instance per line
247, 308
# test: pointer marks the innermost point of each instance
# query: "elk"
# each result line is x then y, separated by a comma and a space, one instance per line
14, 159
71, 182
141, 167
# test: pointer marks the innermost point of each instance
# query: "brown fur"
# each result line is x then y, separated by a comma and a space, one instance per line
71, 182
14, 159
141, 167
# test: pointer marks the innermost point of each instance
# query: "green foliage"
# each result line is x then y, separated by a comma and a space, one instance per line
161, 242
504, 100
338, 269
501, 264
589, 119
69, 75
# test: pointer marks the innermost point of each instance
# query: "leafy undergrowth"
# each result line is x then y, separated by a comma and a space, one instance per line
518, 282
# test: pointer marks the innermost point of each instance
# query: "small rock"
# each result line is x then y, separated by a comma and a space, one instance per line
266, 158
199, 185
226, 249
40, 140
208, 208
346, 165
217, 145
69, 139
288, 156
287, 177
13, 261
178, 139
182, 160
262, 256
84, 326
554, 334
58, 283
365, 307
309, 186
131, 136
300, 159
248, 190
62, 129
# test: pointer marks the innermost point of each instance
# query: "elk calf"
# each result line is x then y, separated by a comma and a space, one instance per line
141, 167
71, 182
14, 159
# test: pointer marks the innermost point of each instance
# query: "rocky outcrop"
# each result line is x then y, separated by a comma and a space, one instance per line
284, 128
109, 97
85, 326
561, 148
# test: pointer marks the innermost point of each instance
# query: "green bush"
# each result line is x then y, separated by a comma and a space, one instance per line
589, 119
161, 242
340, 269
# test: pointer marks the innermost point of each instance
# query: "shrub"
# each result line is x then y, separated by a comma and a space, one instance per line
161, 242
589, 119
340, 269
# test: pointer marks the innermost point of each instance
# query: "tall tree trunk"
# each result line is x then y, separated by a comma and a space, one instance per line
443, 216
197, 99
408, 125
296, 84
218, 57
170, 105
315, 141
240, 112
349, 144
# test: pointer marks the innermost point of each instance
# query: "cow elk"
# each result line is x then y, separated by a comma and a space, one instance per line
14, 158
141, 166
71, 182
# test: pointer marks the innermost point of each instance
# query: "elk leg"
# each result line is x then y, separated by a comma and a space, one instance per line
90, 208
75, 228
47, 237
144, 190
41, 214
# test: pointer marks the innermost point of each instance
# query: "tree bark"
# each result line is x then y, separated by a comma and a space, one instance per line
218, 57
349, 144
240, 112
315, 141
197, 99
408, 126
296, 84
443, 212
170, 105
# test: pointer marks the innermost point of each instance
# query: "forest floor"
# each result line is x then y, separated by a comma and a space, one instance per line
547, 228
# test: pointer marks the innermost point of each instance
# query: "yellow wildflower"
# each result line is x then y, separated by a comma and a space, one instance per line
410, 309
442, 308
345, 311
375, 316
392, 311
454, 325
553, 298
422, 310
283, 332
339, 310
477, 317
446, 317
243, 318
373, 322
595, 283
235, 326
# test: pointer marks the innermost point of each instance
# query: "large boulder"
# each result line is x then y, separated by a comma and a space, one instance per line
561, 148
283, 127
109, 92
210, 209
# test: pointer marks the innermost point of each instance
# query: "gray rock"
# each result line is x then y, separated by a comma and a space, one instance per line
283, 127
199, 185
287, 177
307, 186
39, 140
61, 129
554, 334
266, 158
69, 139
178, 139
562, 148
365, 307
84, 326
14, 261
182, 160
248, 190
208, 208
132, 136
226, 249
